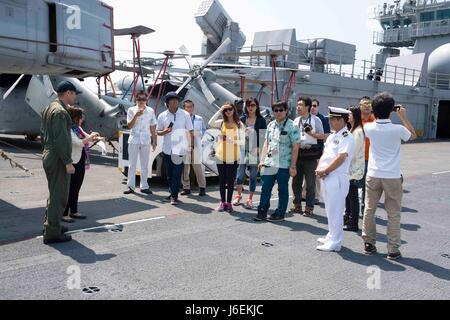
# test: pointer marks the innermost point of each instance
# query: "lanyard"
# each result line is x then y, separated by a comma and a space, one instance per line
305, 123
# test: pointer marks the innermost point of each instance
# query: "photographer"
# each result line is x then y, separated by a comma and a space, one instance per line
311, 130
384, 173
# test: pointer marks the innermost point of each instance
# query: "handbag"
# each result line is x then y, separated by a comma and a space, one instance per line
313, 153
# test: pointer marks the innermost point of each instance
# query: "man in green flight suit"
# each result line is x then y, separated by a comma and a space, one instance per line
57, 160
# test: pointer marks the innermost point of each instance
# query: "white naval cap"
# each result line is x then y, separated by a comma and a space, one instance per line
337, 112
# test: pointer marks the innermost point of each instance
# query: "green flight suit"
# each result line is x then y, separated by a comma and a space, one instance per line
57, 144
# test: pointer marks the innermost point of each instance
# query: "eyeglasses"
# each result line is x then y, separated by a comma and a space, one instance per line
229, 110
279, 110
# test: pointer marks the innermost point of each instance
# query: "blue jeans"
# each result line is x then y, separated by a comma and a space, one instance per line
174, 169
253, 176
268, 181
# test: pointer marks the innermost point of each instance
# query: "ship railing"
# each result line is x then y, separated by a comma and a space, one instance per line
430, 28
393, 36
340, 65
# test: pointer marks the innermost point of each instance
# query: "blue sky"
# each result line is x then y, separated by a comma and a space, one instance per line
173, 20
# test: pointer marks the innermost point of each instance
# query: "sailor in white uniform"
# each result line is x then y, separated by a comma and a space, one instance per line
333, 169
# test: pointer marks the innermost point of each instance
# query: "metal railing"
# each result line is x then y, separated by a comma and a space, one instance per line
359, 69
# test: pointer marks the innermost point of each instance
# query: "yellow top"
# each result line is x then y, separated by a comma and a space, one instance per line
228, 148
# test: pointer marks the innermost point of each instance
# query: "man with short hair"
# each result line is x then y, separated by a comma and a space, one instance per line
57, 160
315, 110
333, 169
194, 157
384, 174
311, 130
278, 162
175, 125
141, 121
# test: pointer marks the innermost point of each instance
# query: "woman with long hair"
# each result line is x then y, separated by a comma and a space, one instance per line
356, 173
255, 125
227, 151
80, 158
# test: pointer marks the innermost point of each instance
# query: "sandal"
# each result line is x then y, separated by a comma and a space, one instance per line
237, 200
296, 209
77, 216
67, 219
248, 205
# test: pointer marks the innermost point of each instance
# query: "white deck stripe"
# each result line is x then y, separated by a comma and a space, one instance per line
439, 173
109, 226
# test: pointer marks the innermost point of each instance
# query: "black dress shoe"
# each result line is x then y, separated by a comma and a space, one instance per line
129, 191
351, 228
185, 192
259, 218
147, 191
202, 192
394, 256
61, 238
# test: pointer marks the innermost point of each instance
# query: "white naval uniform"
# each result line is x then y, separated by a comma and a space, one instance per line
335, 186
139, 145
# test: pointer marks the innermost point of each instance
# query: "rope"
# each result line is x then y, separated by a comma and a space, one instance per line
13, 163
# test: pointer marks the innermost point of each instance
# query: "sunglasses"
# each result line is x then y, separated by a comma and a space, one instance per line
229, 110
141, 99
253, 105
279, 110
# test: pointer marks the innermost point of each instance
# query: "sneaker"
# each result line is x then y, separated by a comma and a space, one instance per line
59, 239
261, 216
275, 218
129, 191
248, 205
229, 208
202, 192
237, 200
394, 256
147, 191
174, 202
168, 199
221, 207
369, 249
296, 209
185, 192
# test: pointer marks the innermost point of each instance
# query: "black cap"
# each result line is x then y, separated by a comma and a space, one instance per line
67, 86
171, 95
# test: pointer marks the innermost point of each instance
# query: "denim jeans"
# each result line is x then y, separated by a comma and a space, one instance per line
281, 176
253, 176
174, 169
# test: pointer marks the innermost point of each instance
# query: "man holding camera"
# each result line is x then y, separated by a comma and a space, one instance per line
141, 120
175, 125
384, 173
311, 130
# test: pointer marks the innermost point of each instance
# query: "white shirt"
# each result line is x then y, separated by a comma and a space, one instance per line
384, 154
175, 142
316, 124
357, 165
338, 143
199, 131
140, 133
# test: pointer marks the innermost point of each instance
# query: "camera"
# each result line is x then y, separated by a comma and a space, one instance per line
308, 128
397, 108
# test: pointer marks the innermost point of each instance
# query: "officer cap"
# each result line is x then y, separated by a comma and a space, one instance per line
338, 112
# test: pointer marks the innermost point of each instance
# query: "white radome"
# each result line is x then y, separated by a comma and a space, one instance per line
439, 61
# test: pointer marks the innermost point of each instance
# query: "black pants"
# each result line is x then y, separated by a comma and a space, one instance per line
227, 177
76, 180
352, 206
306, 169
